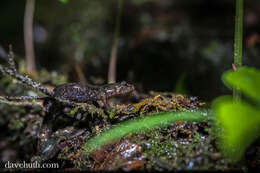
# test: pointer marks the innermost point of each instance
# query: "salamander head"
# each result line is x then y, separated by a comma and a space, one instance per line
118, 89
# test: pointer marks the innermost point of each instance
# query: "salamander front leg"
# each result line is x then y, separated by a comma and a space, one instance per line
104, 103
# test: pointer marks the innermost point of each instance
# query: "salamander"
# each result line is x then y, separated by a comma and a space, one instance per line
48, 144
83, 93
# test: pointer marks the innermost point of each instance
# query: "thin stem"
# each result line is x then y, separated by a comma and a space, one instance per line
25, 80
23, 103
25, 97
238, 42
28, 36
11, 58
80, 73
113, 56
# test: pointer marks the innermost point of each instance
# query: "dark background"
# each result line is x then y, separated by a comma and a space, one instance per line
163, 44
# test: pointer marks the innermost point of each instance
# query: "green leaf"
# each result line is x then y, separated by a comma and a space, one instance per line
247, 79
239, 125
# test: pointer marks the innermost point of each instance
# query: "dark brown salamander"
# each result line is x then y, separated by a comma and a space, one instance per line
83, 93
48, 143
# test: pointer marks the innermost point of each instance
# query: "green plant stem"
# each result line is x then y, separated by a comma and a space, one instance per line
142, 124
238, 42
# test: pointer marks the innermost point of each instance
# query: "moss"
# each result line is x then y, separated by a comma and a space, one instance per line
143, 124
165, 151
16, 124
74, 111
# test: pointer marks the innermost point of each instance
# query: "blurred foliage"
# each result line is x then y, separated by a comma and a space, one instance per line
180, 85
140, 2
245, 78
64, 1
240, 120
192, 37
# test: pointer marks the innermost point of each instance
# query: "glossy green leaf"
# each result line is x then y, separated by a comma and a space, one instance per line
247, 79
239, 122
